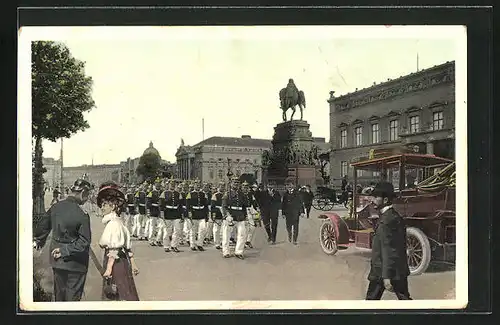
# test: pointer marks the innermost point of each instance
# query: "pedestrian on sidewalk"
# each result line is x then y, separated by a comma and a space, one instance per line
70, 244
118, 261
307, 198
389, 264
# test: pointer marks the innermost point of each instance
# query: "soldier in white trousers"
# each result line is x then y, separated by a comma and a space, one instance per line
172, 219
197, 206
217, 217
154, 214
234, 207
139, 223
252, 211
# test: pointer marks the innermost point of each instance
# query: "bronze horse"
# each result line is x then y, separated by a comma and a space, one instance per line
297, 98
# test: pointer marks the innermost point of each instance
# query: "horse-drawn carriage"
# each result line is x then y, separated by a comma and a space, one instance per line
326, 197
425, 197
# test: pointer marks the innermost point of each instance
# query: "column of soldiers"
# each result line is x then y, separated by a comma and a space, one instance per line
172, 213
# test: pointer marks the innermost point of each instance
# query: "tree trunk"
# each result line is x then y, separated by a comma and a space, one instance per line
38, 183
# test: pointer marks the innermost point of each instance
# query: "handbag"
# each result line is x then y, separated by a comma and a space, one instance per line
110, 289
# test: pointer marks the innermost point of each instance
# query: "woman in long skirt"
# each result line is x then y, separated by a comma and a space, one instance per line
119, 264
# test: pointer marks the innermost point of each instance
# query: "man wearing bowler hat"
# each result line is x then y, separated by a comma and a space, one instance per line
389, 265
70, 244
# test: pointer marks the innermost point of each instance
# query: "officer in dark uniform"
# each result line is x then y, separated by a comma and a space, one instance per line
389, 264
216, 209
70, 244
197, 206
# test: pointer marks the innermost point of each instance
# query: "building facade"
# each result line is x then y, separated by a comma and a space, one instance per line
416, 111
52, 176
97, 174
209, 160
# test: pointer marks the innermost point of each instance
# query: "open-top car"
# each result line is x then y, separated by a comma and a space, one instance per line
425, 197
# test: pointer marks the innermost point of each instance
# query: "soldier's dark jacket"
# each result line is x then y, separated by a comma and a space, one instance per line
140, 198
153, 203
216, 205
70, 227
236, 203
183, 204
131, 203
197, 204
389, 259
172, 205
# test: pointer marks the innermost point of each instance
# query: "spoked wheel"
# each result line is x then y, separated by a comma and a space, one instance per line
328, 206
319, 203
418, 251
328, 238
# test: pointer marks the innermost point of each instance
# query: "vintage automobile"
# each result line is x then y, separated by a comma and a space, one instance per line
325, 198
425, 197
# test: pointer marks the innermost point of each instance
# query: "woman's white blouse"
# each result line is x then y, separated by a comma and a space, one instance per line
115, 235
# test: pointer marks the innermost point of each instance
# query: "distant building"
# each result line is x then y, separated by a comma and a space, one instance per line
96, 174
416, 111
52, 176
208, 160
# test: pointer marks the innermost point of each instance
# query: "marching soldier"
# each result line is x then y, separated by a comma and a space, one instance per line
139, 227
188, 187
234, 207
252, 211
131, 211
197, 206
217, 217
161, 226
172, 218
154, 213
209, 226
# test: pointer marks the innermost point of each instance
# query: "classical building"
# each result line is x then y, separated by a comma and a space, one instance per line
52, 176
96, 174
416, 110
208, 160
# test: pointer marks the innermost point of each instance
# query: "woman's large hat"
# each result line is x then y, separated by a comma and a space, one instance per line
110, 191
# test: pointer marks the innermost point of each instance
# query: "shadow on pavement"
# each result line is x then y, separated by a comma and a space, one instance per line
438, 267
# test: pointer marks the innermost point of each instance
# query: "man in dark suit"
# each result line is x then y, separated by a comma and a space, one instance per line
307, 198
292, 208
389, 264
270, 206
70, 243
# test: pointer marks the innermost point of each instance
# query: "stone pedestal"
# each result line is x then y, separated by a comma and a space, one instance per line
293, 156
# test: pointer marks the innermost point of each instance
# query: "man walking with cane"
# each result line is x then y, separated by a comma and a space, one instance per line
70, 244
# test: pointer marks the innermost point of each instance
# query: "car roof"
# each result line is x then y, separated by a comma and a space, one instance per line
410, 159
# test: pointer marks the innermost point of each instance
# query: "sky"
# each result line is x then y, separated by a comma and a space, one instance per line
158, 86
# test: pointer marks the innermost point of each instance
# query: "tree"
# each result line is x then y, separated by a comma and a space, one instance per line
61, 93
149, 166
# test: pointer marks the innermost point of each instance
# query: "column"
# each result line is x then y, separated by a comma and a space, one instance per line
189, 168
429, 148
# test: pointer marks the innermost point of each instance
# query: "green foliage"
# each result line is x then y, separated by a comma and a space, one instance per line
149, 166
61, 92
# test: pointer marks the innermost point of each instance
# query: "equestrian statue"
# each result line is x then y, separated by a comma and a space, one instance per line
291, 97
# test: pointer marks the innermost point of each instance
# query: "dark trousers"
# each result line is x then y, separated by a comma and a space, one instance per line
68, 285
292, 227
270, 220
308, 209
376, 289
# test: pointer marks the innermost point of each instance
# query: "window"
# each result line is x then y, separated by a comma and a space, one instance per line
211, 174
376, 174
358, 135
414, 124
220, 174
437, 121
393, 130
375, 133
343, 168
343, 138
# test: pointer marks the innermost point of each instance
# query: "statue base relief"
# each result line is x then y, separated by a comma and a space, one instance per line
293, 156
